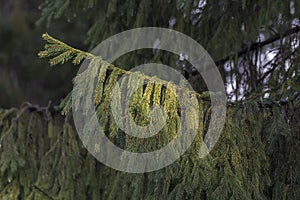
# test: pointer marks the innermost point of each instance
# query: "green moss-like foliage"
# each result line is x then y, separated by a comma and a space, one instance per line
257, 157
42, 157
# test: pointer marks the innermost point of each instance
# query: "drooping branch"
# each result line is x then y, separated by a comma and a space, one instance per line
59, 53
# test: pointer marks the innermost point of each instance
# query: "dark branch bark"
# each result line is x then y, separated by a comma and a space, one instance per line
251, 47
257, 45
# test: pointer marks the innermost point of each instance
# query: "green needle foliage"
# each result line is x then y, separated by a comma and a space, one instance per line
60, 52
256, 47
257, 157
42, 157
251, 41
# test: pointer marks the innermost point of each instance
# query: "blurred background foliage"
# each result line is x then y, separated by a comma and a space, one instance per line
23, 76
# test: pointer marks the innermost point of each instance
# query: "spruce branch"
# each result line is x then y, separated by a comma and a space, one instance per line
40, 191
253, 46
61, 52
257, 45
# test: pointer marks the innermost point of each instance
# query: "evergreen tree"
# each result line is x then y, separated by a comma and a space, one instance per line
256, 47
241, 36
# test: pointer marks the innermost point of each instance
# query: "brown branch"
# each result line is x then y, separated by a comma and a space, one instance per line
251, 47
257, 45
274, 65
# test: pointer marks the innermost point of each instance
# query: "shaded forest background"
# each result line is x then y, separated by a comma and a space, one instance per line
255, 45
23, 76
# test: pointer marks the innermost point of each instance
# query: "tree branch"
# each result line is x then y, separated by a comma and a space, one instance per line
257, 45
